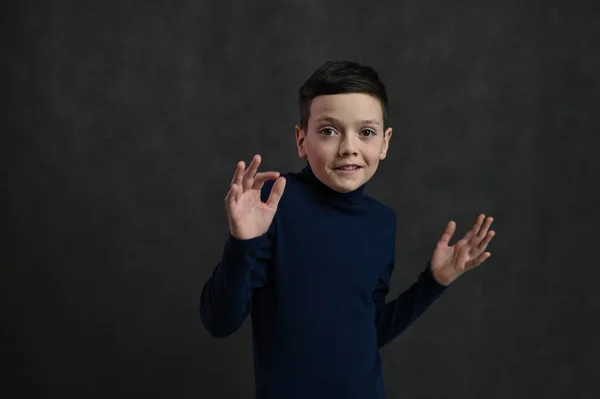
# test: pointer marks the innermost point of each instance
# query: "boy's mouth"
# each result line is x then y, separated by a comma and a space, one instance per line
350, 168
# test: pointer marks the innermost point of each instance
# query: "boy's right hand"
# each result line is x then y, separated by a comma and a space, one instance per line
248, 216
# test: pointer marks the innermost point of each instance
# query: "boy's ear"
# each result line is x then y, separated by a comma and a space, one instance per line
300, 136
386, 144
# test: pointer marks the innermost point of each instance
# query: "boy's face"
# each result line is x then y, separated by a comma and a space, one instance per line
344, 129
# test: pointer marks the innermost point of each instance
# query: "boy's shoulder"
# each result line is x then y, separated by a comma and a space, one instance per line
385, 214
380, 206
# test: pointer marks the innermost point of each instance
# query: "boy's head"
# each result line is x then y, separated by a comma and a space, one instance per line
343, 121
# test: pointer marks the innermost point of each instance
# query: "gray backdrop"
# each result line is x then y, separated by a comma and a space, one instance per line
124, 123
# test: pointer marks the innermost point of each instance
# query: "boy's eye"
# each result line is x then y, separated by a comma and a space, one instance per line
368, 132
330, 132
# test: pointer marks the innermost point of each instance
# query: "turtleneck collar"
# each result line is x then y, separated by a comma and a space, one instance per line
352, 200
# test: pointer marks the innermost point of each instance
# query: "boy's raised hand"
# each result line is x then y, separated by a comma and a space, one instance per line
449, 262
248, 216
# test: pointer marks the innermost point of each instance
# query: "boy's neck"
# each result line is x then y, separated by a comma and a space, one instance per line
352, 198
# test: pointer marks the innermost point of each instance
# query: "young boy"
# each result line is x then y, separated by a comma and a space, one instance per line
312, 266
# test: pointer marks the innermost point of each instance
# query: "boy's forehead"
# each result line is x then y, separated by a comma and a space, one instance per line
347, 107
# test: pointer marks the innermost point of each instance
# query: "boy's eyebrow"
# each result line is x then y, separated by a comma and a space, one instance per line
335, 121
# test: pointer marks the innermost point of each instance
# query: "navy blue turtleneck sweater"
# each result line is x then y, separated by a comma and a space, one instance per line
315, 286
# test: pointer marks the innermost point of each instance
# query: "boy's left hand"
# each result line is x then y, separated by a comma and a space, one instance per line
449, 262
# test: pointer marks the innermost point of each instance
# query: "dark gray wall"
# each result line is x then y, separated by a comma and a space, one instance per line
124, 123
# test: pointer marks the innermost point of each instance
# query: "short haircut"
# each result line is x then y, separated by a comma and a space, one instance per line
336, 77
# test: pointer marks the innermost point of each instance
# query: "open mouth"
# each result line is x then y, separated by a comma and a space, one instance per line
348, 169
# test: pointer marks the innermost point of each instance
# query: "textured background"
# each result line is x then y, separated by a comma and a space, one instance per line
124, 121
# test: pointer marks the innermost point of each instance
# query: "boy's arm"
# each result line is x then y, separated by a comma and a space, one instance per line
394, 317
226, 296
447, 262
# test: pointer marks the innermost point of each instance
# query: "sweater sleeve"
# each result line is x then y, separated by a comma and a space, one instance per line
393, 317
226, 297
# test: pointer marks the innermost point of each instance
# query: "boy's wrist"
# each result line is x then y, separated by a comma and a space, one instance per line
436, 277
236, 248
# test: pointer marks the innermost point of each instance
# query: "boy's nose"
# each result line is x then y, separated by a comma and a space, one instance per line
348, 147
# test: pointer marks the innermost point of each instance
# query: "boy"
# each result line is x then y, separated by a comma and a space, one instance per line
313, 266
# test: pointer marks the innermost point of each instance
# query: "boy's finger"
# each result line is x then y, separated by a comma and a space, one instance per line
239, 172
448, 233
262, 177
276, 192
230, 197
486, 225
478, 223
483, 244
475, 229
479, 260
250, 172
